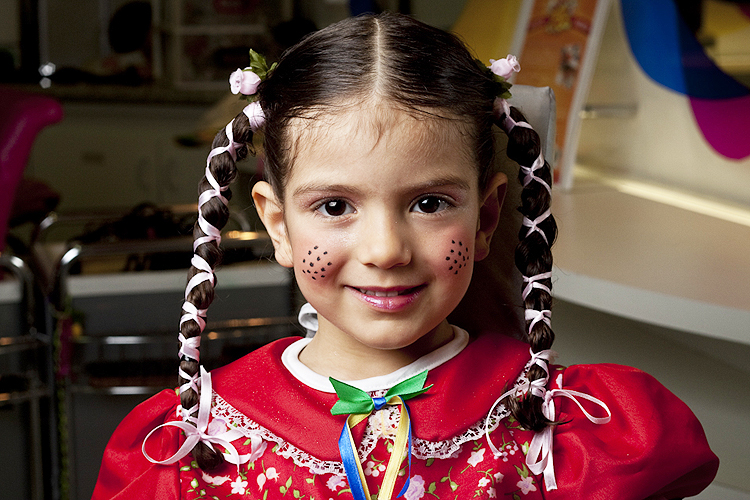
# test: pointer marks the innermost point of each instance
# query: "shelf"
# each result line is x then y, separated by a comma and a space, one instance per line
219, 330
126, 390
19, 397
214, 30
652, 261
22, 342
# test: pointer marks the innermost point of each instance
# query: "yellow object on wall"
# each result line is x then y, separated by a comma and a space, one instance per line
487, 26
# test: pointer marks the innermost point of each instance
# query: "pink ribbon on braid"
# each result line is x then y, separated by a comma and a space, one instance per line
201, 431
529, 174
230, 148
539, 459
189, 347
255, 115
533, 282
197, 429
501, 110
537, 387
533, 225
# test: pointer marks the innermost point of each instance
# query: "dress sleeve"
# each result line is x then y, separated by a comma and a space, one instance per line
125, 473
653, 447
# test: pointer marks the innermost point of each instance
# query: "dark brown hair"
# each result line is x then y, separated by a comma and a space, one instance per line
414, 67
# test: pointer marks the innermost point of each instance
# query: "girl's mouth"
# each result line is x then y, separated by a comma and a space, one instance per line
388, 299
389, 293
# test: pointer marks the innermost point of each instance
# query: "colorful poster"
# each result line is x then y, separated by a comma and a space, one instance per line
720, 104
559, 50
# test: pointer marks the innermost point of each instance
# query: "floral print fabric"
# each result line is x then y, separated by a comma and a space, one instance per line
472, 471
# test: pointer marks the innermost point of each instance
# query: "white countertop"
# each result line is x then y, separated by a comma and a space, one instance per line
652, 261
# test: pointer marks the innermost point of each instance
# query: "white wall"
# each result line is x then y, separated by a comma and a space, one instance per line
662, 142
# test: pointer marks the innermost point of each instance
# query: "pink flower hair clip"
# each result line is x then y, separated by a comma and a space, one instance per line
246, 81
502, 70
505, 67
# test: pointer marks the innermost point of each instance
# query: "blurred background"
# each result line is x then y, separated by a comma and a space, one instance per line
107, 110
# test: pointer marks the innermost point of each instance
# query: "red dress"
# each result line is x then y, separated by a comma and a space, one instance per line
653, 447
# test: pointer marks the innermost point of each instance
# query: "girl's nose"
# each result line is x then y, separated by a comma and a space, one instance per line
383, 242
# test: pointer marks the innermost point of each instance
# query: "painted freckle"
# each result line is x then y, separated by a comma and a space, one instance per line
313, 259
462, 257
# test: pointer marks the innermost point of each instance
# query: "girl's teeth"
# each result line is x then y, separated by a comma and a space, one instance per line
380, 294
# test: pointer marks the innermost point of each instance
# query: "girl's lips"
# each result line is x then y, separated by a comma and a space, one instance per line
388, 299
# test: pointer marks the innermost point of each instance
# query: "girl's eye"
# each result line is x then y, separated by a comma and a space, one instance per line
335, 208
430, 205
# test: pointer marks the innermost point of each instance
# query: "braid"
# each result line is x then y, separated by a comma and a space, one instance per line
229, 145
533, 258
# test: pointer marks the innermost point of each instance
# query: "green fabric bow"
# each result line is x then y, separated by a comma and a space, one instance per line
356, 401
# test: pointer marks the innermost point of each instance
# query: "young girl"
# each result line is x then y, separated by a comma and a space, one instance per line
378, 146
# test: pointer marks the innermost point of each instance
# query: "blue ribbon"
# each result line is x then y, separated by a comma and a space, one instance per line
360, 405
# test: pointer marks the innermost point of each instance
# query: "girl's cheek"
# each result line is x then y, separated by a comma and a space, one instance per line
316, 264
458, 256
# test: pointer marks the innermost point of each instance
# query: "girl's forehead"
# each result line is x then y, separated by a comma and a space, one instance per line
367, 127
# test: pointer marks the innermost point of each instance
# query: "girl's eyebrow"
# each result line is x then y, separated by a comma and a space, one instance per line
325, 188
448, 181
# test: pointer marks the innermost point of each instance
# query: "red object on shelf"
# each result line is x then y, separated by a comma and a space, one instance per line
22, 116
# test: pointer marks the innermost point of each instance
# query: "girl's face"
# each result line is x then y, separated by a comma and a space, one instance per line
381, 223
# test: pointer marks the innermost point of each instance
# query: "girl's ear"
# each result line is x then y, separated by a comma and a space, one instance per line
272, 214
489, 214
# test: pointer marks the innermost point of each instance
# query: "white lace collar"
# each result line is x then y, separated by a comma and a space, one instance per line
290, 359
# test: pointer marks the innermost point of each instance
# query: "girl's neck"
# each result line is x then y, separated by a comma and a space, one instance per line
333, 354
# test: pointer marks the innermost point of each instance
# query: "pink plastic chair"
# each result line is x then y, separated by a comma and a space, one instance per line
22, 116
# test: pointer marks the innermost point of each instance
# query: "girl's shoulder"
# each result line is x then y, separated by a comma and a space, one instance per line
125, 472
652, 445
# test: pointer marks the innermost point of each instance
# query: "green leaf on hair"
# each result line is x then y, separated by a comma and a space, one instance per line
259, 66
503, 86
